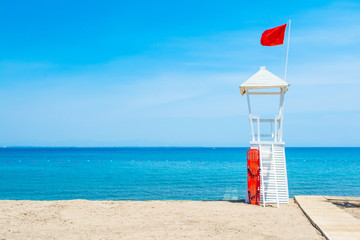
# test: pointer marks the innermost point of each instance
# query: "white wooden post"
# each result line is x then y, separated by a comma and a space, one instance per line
250, 117
258, 131
281, 115
276, 129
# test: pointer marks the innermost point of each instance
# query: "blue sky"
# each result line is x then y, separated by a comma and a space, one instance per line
166, 73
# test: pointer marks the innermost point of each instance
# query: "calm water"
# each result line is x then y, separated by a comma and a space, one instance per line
165, 173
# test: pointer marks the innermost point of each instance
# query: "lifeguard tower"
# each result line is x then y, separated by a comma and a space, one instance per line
267, 137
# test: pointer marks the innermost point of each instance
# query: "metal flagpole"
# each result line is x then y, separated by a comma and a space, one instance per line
287, 51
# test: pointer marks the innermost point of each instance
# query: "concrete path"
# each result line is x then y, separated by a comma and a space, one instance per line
331, 221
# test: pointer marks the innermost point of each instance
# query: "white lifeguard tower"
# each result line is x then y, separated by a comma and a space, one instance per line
267, 137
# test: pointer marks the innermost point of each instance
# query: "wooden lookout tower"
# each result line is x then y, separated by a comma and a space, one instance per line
267, 137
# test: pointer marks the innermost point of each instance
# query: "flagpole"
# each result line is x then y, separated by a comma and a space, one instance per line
287, 51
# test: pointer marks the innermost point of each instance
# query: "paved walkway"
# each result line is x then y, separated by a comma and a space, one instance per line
331, 221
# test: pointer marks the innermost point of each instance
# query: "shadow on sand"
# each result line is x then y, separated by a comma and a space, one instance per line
347, 204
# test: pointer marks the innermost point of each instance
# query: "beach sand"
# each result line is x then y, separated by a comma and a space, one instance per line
352, 207
82, 219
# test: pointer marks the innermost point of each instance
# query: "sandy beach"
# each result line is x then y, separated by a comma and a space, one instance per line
82, 219
349, 205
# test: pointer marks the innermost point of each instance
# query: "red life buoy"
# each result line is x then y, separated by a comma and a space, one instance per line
253, 176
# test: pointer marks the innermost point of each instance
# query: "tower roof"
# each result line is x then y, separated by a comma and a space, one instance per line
261, 80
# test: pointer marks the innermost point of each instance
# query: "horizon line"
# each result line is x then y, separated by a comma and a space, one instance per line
3, 147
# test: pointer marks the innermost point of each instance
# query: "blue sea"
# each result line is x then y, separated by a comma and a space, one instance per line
165, 173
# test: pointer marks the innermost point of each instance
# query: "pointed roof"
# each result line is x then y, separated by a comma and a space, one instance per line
261, 80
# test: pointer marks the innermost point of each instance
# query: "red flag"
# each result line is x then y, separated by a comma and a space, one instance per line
273, 36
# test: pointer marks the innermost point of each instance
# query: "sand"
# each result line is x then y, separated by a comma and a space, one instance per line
82, 219
350, 206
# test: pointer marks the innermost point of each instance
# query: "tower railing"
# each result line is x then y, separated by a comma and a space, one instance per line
271, 128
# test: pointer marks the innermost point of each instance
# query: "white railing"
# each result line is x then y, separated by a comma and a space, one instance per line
275, 129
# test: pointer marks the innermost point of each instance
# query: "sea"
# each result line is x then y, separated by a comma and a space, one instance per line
165, 173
